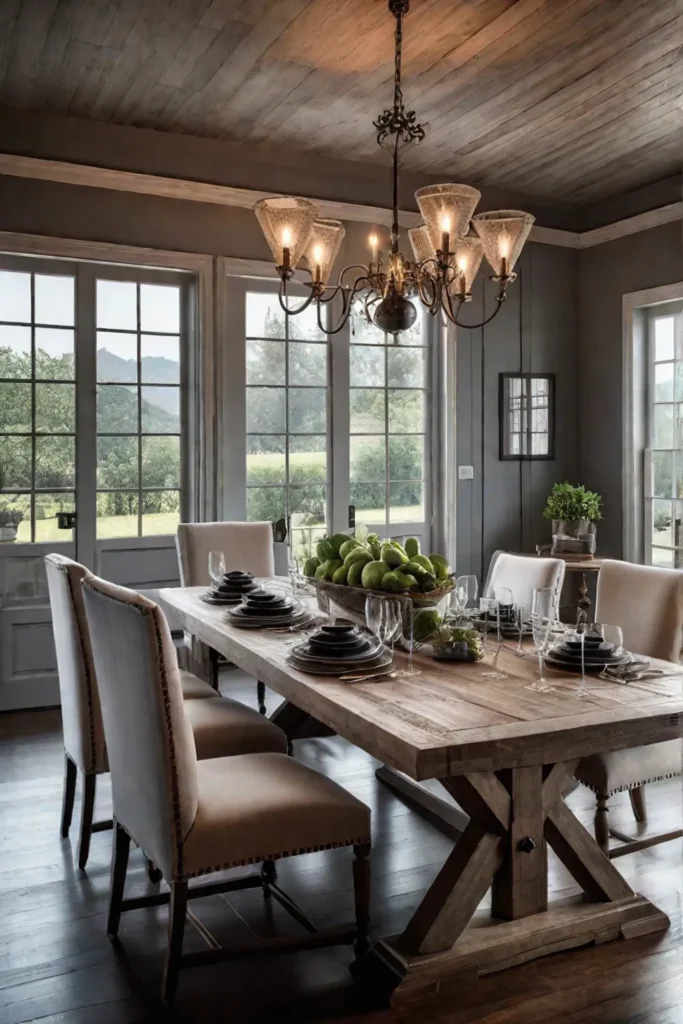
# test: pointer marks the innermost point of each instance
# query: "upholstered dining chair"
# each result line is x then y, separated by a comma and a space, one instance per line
221, 727
647, 603
522, 574
197, 818
246, 546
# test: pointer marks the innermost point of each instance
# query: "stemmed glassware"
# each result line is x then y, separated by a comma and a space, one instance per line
216, 565
384, 619
465, 594
523, 614
502, 598
408, 617
542, 617
582, 691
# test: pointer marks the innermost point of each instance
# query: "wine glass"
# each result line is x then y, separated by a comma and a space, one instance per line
216, 566
408, 618
523, 613
612, 635
582, 691
465, 593
383, 617
542, 615
502, 598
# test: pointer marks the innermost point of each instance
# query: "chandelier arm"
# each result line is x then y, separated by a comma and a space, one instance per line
348, 297
282, 296
500, 299
351, 266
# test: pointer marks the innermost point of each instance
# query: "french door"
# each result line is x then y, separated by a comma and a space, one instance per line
93, 464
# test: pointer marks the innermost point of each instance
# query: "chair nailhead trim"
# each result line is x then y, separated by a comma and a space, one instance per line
271, 856
625, 789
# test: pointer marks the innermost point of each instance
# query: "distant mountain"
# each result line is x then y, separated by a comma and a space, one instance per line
117, 408
155, 369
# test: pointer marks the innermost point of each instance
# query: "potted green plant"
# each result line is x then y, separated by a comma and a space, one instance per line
10, 515
574, 512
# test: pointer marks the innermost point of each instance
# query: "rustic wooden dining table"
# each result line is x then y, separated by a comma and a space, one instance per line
507, 755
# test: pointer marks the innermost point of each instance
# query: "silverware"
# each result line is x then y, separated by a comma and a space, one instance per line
370, 675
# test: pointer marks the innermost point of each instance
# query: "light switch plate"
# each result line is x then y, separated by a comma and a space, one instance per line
465, 472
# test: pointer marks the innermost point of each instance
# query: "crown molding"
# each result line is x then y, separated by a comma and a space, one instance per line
17, 166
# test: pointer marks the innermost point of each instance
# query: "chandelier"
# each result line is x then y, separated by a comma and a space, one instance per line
448, 248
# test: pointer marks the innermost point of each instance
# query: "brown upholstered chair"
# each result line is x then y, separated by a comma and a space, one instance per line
196, 818
647, 603
246, 546
221, 727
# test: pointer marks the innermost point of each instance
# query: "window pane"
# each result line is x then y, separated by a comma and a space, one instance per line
307, 363
266, 459
117, 515
54, 354
406, 412
662, 521
407, 503
308, 501
367, 458
47, 506
663, 558
15, 464
266, 411
55, 462
305, 325
160, 512
265, 318
160, 308
20, 505
117, 462
365, 332
160, 410
15, 297
305, 539
367, 410
370, 502
307, 459
307, 410
414, 335
663, 426
662, 473
664, 338
160, 462
678, 427
117, 409
678, 475
15, 351
539, 444
664, 382
265, 504
117, 306
406, 458
678, 384
56, 408
117, 357
406, 367
367, 366
54, 298
15, 408
160, 359
266, 361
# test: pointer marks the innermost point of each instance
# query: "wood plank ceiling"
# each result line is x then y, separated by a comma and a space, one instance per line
574, 100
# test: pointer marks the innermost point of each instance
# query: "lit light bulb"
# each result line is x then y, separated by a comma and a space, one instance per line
318, 254
504, 247
463, 263
286, 237
446, 222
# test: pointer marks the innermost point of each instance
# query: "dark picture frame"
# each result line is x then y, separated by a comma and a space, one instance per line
526, 416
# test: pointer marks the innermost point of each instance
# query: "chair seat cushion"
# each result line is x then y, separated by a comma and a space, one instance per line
264, 807
626, 769
225, 727
194, 687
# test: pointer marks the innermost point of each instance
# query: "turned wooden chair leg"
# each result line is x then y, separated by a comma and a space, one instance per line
70, 772
119, 865
602, 824
261, 696
87, 809
638, 803
176, 928
361, 891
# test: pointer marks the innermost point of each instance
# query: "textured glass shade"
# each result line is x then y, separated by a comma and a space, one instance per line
323, 247
286, 222
447, 208
421, 243
468, 254
503, 234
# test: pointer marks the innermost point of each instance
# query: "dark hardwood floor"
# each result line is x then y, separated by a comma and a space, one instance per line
57, 966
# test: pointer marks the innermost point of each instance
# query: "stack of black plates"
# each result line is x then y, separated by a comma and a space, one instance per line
340, 649
263, 608
230, 588
597, 655
509, 626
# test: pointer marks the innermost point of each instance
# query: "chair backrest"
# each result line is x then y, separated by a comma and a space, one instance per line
81, 714
246, 546
522, 574
152, 755
647, 603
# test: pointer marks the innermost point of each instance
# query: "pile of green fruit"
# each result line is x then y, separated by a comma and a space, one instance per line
366, 561
449, 636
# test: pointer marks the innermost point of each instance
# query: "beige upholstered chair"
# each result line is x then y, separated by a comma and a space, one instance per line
522, 574
221, 727
647, 603
196, 818
246, 546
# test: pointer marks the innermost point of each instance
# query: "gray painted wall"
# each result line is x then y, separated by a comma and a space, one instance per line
536, 331
606, 273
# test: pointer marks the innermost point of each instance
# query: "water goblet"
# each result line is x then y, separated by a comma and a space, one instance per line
542, 617
408, 619
523, 613
384, 619
502, 598
465, 594
216, 565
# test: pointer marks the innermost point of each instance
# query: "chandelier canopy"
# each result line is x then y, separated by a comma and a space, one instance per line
448, 248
